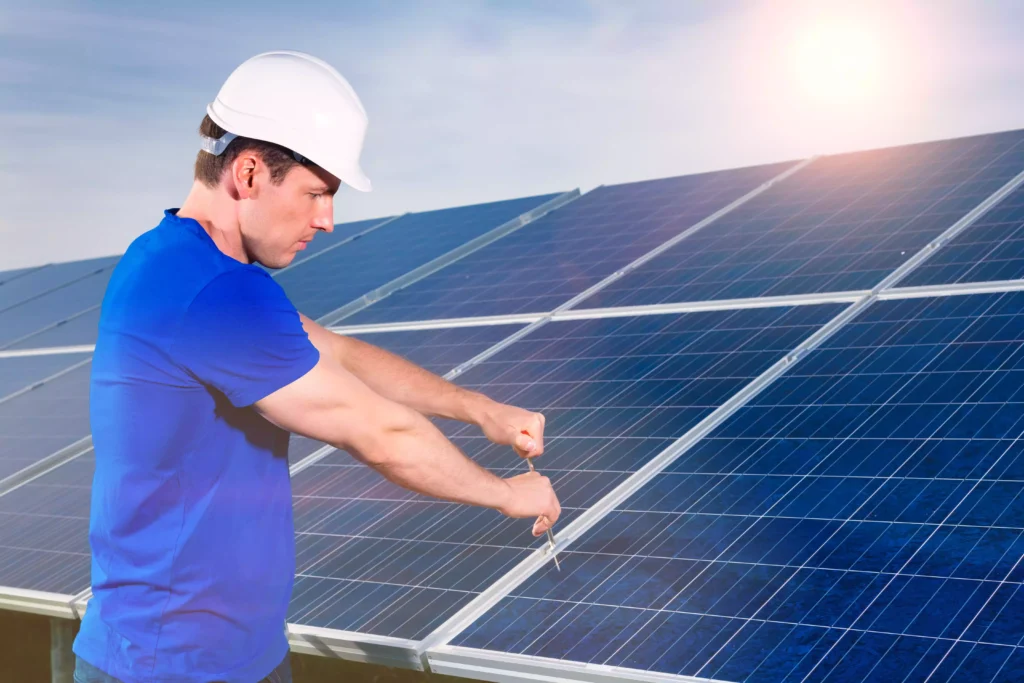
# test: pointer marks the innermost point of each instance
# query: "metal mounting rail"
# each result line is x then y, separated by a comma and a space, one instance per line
501, 667
448, 258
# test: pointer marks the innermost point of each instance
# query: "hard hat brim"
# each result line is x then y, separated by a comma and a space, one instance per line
251, 127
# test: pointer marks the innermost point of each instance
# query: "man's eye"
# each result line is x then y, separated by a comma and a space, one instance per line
315, 195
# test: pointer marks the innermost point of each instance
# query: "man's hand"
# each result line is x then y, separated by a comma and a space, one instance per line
507, 425
531, 495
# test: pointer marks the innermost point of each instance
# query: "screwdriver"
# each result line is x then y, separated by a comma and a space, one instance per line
551, 536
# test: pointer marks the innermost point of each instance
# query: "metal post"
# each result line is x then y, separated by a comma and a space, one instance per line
62, 659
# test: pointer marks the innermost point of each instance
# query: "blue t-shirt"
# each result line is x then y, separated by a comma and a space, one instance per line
191, 521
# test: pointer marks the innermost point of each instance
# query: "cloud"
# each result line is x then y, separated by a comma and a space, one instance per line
468, 102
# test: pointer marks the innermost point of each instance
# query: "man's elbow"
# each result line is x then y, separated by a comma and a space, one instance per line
382, 443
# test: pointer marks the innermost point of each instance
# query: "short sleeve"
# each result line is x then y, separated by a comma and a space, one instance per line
242, 336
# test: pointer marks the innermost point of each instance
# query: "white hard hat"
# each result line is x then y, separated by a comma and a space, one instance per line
297, 101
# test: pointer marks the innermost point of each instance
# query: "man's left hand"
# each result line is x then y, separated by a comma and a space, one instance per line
507, 425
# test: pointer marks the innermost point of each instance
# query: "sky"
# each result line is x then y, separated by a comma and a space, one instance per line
480, 101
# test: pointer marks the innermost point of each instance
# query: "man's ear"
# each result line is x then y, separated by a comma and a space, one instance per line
243, 175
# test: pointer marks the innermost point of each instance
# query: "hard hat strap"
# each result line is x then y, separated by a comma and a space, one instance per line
217, 146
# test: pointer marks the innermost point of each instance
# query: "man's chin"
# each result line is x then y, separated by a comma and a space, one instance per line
278, 263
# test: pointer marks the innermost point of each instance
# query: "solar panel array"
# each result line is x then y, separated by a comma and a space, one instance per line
860, 513
859, 519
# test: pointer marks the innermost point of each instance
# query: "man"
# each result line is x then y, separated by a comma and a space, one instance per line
203, 366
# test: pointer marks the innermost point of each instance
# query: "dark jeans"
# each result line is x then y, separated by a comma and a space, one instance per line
87, 673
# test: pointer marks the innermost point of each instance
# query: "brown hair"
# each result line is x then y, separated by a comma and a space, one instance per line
210, 168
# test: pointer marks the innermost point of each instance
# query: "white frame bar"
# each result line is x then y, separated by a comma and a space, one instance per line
37, 602
449, 257
500, 667
440, 324
992, 287
47, 351
847, 297
358, 647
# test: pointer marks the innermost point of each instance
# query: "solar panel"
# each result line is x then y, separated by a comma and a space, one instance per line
546, 263
991, 249
17, 374
378, 559
842, 223
48, 278
44, 531
862, 519
43, 421
323, 284
54, 307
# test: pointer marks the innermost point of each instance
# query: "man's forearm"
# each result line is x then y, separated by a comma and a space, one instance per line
406, 383
421, 459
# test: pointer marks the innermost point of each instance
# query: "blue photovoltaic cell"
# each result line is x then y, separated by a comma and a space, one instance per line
20, 322
860, 520
8, 275
436, 350
842, 223
322, 241
991, 249
19, 373
44, 420
44, 531
344, 274
80, 329
48, 278
547, 262
378, 559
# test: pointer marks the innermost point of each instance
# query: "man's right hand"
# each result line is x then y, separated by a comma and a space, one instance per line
531, 495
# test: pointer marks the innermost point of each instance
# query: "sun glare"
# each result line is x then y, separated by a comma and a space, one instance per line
838, 62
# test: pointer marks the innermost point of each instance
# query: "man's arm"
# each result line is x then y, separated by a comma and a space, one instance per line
399, 380
330, 404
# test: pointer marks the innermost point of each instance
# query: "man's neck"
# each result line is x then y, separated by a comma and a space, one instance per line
215, 212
